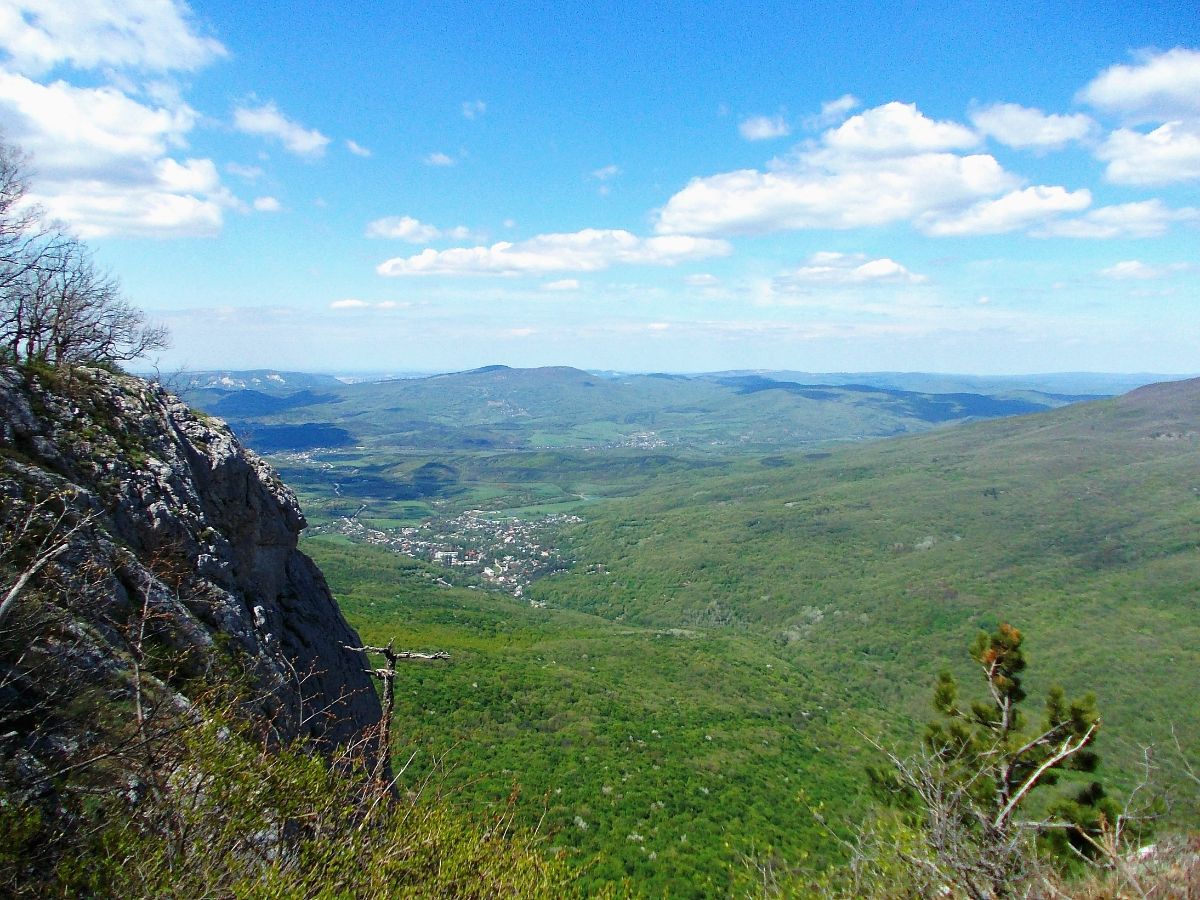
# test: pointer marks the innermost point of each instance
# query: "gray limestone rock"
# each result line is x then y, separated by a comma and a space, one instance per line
183, 520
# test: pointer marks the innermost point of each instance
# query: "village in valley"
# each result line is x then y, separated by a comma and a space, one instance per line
503, 553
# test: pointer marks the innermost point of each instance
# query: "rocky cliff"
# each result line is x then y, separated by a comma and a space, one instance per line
154, 549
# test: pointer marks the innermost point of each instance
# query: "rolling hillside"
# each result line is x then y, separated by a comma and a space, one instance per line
1080, 525
498, 408
731, 634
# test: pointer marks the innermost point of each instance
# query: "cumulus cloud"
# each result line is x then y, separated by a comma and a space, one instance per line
1021, 126
349, 303
884, 165
473, 109
606, 173
898, 129
104, 160
563, 284
764, 128
1166, 155
852, 268
150, 35
76, 129
438, 159
831, 191
1157, 88
267, 204
589, 250
406, 228
1161, 89
101, 209
1014, 211
1146, 218
356, 148
267, 121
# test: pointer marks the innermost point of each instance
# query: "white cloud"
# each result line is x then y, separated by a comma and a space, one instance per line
885, 165
250, 173
607, 172
473, 109
87, 129
1020, 126
898, 129
589, 250
356, 148
1137, 270
354, 303
832, 192
267, 204
1015, 211
852, 268
832, 112
103, 162
1146, 218
190, 176
702, 279
1158, 88
102, 209
406, 228
438, 159
764, 128
564, 284
1166, 155
267, 121
151, 35
1131, 268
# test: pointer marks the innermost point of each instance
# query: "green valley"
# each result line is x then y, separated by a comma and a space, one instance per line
705, 639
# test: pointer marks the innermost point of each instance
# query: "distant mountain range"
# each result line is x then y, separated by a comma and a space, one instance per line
497, 407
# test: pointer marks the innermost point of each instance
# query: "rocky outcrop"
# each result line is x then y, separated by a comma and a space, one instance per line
177, 536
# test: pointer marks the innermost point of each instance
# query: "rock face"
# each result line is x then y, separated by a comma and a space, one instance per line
170, 522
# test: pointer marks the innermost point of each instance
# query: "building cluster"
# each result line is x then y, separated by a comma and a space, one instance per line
507, 553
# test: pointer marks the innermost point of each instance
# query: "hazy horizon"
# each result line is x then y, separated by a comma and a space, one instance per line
425, 373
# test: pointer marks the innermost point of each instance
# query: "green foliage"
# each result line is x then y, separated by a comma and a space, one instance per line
562, 408
990, 754
978, 771
241, 820
664, 756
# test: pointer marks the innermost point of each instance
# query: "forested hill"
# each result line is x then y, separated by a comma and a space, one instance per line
559, 407
1079, 524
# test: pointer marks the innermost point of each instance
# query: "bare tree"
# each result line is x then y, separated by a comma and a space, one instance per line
56, 305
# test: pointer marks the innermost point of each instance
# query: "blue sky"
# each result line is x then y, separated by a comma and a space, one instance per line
686, 187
